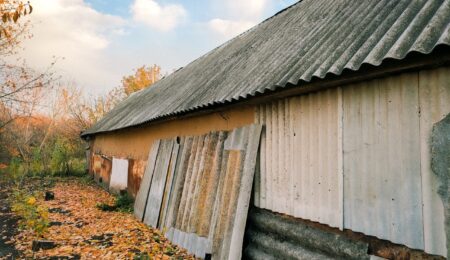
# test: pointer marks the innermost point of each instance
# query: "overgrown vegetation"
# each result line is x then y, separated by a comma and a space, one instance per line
58, 160
31, 174
37, 137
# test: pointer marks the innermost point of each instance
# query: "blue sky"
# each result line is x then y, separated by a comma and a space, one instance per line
97, 42
198, 9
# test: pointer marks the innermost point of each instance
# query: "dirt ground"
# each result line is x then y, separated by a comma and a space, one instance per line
80, 230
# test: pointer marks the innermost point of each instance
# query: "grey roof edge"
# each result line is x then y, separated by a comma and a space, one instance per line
299, 81
274, 89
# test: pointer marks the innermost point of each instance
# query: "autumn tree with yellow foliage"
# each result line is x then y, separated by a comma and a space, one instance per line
86, 112
142, 78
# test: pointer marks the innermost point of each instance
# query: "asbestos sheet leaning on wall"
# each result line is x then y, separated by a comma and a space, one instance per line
142, 195
198, 190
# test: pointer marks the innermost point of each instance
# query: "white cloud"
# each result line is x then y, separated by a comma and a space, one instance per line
75, 22
159, 17
229, 28
247, 9
236, 16
73, 30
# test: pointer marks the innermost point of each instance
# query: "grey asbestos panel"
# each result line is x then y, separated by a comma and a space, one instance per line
200, 192
168, 186
243, 203
280, 237
142, 195
382, 160
156, 192
178, 182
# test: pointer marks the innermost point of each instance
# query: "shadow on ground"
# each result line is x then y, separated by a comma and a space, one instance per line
8, 226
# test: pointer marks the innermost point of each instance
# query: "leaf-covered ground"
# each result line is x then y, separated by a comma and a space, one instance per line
81, 230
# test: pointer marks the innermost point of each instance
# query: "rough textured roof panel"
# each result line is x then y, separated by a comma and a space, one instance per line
274, 236
312, 38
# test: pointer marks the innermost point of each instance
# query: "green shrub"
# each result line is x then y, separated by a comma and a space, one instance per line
16, 169
15, 166
66, 160
78, 166
122, 203
59, 163
58, 158
3, 173
36, 166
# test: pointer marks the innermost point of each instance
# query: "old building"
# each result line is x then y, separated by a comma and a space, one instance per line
347, 94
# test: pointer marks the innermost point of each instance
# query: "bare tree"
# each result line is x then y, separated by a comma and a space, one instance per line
18, 83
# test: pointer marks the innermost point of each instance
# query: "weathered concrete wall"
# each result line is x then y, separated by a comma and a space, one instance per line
440, 164
100, 169
135, 168
105, 172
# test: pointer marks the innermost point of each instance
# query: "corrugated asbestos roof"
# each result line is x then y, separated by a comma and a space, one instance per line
312, 38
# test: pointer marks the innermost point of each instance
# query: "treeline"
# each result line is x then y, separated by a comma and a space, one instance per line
42, 135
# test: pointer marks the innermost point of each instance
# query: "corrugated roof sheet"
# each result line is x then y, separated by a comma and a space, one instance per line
274, 236
312, 38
